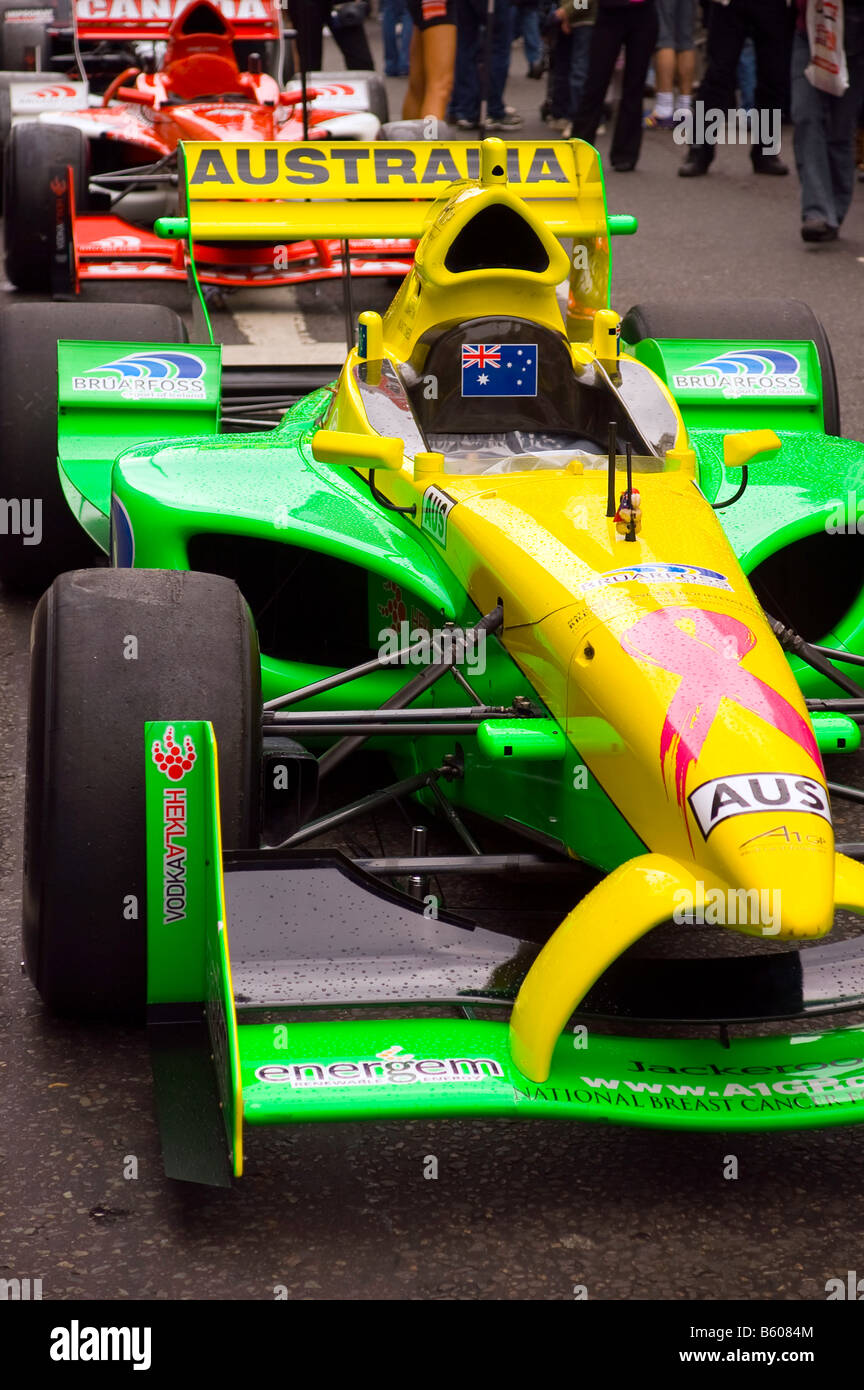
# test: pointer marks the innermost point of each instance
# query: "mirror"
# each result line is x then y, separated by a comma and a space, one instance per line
358, 450
739, 449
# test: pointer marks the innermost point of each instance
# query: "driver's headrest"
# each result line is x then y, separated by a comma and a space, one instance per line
201, 18
489, 374
199, 59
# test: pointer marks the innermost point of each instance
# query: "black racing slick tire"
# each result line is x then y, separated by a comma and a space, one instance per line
24, 40
84, 824
749, 320
52, 539
34, 158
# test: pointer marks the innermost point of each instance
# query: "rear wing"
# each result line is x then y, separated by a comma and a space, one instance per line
348, 188
276, 191
107, 20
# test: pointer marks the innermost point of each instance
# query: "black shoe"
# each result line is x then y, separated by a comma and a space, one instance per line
817, 229
623, 166
536, 70
697, 162
768, 164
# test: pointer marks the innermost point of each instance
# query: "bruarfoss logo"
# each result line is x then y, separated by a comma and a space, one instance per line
142, 375
746, 371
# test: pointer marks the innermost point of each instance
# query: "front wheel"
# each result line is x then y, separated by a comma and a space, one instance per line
84, 821
36, 158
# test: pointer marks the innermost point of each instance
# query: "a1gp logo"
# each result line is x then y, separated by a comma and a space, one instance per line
437, 507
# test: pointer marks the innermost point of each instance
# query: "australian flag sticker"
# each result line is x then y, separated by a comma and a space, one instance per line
499, 369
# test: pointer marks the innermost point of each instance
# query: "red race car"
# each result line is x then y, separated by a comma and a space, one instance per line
85, 178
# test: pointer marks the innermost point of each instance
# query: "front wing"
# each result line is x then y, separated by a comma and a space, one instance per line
248, 942
107, 248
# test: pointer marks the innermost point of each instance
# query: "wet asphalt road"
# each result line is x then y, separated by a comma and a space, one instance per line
517, 1212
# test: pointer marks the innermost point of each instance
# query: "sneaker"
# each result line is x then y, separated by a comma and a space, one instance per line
655, 122
510, 120
463, 124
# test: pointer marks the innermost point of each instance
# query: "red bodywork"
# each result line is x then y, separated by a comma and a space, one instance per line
200, 93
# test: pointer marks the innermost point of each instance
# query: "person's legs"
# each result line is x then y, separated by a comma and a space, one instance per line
843, 119
531, 38
685, 52
606, 39
664, 70
769, 29
559, 75
389, 12
810, 141
580, 49
465, 99
307, 18
664, 65
727, 29
686, 71
499, 66
641, 36
352, 41
412, 107
747, 76
439, 58
404, 47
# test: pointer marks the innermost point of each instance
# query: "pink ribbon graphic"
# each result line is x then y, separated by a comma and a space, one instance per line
709, 664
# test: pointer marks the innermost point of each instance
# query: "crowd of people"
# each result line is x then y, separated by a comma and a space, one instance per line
773, 62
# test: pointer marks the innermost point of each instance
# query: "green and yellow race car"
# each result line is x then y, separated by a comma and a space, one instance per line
577, 577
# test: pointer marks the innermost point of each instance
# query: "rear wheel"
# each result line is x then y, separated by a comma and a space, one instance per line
748, 320
52, 539
84, 831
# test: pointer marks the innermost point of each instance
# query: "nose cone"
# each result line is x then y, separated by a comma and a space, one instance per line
780, 868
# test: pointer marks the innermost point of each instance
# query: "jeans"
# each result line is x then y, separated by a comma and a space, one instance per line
526, 25
568, 69
747, 76
470, 21
396, 48
824, 139
580, 49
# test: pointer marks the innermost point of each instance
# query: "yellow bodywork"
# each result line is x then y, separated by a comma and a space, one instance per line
713, 760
